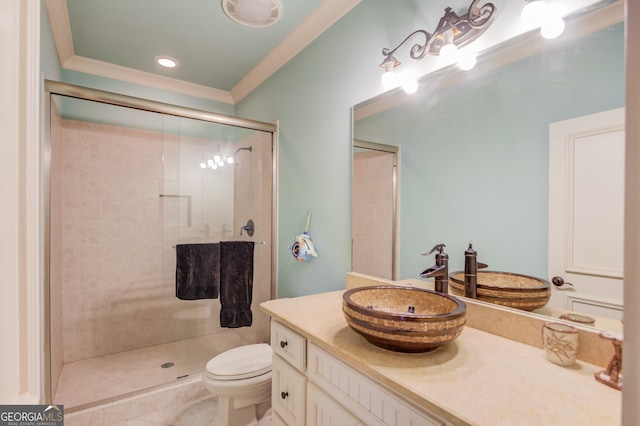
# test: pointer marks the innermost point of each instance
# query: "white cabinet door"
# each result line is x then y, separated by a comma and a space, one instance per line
586, 213
324, 411
288, 392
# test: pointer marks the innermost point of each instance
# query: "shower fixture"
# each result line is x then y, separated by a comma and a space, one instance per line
215, 161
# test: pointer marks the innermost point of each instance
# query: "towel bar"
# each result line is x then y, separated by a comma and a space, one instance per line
258, 242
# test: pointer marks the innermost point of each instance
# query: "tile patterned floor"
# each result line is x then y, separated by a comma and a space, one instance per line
107, 378
185, 403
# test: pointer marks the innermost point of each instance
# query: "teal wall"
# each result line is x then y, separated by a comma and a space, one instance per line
49, 63
474, 160
312, 96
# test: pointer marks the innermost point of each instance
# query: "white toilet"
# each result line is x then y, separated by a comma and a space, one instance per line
241, 378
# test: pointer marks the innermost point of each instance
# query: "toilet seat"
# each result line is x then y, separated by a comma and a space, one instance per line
240, 363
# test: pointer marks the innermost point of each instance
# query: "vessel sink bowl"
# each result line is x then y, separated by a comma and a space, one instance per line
404, 319
506, 289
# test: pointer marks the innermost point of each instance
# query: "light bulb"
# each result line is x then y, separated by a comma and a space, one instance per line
203, 165
214, 166
466, 60
210, 163
389, 79
552, 27
449, 52
220, 163
230, 160
533, 12
216, 158
410, 86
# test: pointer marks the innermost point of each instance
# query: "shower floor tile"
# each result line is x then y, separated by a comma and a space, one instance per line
103, 379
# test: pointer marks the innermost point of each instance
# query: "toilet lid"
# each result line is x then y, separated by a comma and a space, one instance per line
241, 362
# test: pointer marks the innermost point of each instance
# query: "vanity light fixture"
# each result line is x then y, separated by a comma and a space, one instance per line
538, 14
452, 33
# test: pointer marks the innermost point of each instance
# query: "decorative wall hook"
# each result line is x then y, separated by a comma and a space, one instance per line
302, 248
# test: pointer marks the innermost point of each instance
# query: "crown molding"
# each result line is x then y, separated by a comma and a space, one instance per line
143, 78
309, 29
323, 17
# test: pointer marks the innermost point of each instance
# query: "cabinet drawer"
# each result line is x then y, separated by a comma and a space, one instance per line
322, 410
289, 345
288, 392
366, 399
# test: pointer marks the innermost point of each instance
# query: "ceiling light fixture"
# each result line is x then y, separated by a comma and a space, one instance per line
452, 33
253, 13
166, 61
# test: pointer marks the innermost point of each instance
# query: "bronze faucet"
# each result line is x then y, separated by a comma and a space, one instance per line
471, 266
439, 271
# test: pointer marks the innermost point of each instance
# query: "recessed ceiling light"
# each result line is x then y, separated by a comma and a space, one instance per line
253, 13
166, 61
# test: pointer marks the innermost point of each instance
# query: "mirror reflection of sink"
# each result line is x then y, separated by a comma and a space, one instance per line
506, 289
404, 319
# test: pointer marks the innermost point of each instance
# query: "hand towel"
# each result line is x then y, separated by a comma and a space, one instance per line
236, 283
197, 271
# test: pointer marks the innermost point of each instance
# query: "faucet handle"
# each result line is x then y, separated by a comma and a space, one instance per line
439, 247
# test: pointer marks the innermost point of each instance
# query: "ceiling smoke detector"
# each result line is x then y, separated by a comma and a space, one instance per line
253, 13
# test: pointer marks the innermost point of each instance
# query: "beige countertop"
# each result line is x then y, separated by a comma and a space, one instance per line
479, 379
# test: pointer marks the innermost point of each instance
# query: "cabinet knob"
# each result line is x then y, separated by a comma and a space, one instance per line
284, 395
559, 282
283, 343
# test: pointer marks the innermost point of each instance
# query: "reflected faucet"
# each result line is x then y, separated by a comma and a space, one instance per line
440, 271
471, 266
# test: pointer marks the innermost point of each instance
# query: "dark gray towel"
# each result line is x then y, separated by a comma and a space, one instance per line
197, 271
236, 283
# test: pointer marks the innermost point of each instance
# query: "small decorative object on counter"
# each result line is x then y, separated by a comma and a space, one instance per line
560, 343
580, 319
612, 376
302, 248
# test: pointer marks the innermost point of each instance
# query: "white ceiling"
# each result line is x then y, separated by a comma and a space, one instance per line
219, 59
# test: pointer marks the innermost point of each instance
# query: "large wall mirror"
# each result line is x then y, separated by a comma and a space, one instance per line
475, 150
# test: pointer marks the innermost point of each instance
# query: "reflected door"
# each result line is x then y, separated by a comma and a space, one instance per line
374, 210
586, 212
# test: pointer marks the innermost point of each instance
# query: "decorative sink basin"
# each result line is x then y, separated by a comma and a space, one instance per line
404, 319
506, 289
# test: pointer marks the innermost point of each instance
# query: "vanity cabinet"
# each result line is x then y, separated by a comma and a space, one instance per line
288, 380
312, 387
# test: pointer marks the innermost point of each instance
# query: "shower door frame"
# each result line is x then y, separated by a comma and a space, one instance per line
85, 93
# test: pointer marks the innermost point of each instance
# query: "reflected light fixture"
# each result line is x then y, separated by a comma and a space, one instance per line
452, 33
216, 161
537, 13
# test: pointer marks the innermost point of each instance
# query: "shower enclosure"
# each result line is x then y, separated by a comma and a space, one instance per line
128, 179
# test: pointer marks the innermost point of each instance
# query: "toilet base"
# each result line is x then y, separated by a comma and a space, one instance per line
249, 415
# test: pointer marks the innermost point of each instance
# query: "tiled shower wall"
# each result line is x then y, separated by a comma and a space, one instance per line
118, 222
